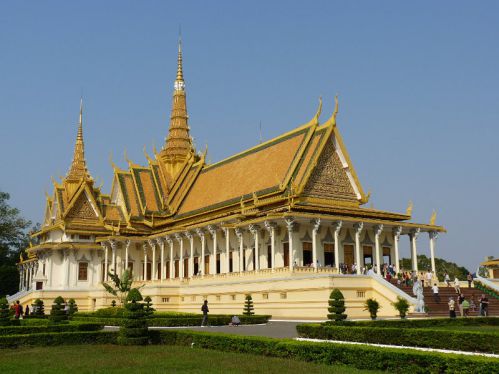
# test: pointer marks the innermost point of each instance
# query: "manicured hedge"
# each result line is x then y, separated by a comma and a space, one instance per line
117, 312
59, 338
454, 340
87, 326
422, 323
214, 320
362, 357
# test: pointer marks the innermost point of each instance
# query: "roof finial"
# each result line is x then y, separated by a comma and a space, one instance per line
78, 167
179, 81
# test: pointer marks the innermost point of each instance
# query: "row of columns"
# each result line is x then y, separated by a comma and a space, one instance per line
254, 229
26, 274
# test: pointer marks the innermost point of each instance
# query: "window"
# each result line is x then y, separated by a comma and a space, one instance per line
193, 298
233, 297
182, 298
328, 254
361, 294
82, 271
218, 297
165, 299
307, 254
265, 296
284, 295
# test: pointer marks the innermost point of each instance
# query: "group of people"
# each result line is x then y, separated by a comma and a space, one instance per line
17, 308
464, 305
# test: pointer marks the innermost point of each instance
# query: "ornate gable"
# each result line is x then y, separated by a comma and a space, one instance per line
329, 178
82, 209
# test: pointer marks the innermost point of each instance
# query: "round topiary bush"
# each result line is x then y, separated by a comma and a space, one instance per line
336, 306
4, 312
148, 309
58, 314
133, 328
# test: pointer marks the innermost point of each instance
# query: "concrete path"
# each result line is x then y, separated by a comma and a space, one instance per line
271, 329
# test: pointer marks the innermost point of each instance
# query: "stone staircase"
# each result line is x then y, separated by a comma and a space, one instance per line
441, 309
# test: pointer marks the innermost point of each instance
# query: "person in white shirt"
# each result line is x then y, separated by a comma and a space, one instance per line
457, 287
436, 296
429, 277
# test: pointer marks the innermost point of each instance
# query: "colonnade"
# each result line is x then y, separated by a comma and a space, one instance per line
27, 272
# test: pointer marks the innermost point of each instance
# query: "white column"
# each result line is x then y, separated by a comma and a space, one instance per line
145, 262
337, 229
358, 229
414, 254
161, 243
256, 236
315, 229
113, 256
190, 236
50, 266
172, 265
378, 229
200, 233
104, 246
213, 262
239, 235
270, 226
396, 237
154, 268
127, 246
227, 250
20, 278
433, 238
181, 256
289, 225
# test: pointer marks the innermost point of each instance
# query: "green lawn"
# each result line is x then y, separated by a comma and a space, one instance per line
150, 359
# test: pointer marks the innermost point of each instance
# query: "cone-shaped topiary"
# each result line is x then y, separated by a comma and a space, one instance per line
133, 329
4, 312
248, 306
113, 303
58, 314
148, 309
73, 308
336, 306
37, 309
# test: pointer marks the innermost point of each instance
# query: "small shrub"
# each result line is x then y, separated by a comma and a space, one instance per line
336, 306
58, 314
133, 329
248, 306
402, 306
4, 312
37, 309
73, 307
372, 306
148, 309
113, 303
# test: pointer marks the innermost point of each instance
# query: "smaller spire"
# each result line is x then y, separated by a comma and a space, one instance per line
179, 81
78, 167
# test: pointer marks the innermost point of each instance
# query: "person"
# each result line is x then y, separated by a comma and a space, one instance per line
460, 300
484, 305
466, 307
421, 279
18, 311
429, 277
472, 303
436, 296
205, 311
447, 279
26, 312
235, 321
452, 308
457, 286
469, 278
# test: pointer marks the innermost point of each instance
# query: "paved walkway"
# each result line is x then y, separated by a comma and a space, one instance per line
271, 329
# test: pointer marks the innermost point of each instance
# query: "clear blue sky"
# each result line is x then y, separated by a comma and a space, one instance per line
418, 85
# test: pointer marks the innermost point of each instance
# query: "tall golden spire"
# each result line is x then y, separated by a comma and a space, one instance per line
178, 145
78, 169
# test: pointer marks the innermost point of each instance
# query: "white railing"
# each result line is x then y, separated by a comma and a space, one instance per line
17, 295
486, 282
382, 281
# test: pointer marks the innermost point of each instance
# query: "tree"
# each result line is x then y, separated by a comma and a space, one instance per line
38, 309
148, 309
14, 238
58, 314
336, 306
372, 306
121, 286
442, 267
73, 307
133, 328
248, 306
4, 312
